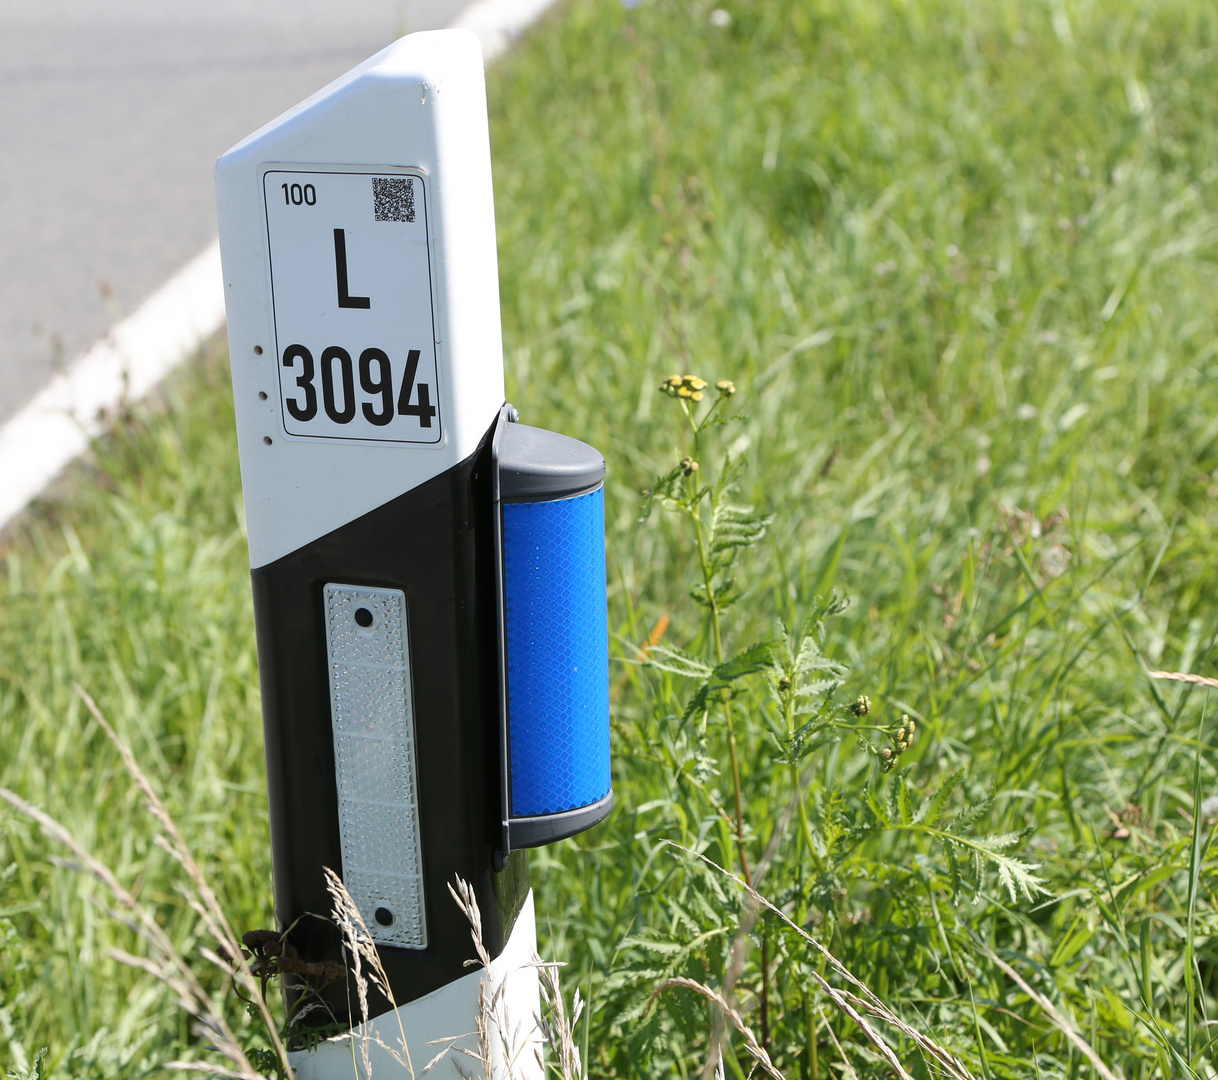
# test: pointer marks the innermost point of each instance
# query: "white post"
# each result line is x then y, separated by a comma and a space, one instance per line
358, 243
428, 574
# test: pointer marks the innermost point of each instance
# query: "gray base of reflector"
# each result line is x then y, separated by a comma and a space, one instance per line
448, 1015
526, 832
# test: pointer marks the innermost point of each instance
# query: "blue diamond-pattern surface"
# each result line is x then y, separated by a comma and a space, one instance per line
557, 653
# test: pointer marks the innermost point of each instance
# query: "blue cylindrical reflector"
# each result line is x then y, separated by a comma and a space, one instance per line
557, 631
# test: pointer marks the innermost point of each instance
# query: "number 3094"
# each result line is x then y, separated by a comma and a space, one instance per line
338, 372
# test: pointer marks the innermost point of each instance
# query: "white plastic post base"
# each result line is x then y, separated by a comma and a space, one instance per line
449, 1014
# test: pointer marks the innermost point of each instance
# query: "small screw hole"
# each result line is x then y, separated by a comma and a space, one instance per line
266, 439
262, 395
382, 914
257, 350
364, 618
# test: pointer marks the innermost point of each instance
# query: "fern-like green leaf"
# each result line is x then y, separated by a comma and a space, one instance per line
872, 801
931, 810
678, 662
748, 662
699, 702
665, 490
733, 527
811, 661
904, 803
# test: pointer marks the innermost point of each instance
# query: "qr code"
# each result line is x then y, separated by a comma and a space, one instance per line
394, 198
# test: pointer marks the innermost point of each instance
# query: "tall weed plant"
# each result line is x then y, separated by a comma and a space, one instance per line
775, 700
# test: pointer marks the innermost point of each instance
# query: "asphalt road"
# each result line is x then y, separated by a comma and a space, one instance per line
112, 114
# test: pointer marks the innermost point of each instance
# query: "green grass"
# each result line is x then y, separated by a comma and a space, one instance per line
962, 262
135, 586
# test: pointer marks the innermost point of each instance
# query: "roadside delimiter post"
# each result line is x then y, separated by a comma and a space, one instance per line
428, 574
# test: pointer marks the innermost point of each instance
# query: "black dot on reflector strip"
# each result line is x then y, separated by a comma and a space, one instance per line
363, 617
382, 914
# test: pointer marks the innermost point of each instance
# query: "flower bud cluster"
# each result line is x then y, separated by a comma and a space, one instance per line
692, 388
688, 466
689, 387
904, 739
861, 706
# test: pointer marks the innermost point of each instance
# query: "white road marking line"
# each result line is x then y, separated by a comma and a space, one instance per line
499, 22
129, 362
56, 426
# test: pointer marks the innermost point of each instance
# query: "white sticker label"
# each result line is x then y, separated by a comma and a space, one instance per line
351, 289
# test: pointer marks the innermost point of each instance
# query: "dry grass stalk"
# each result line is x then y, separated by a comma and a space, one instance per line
1183, 676
1047, 1007
735, 968
494, 1028
855, 1005
740, 946
367, 970
364, 957
163, 961
557, 1029
204, 903
750, 1040
846, 1066
463, 894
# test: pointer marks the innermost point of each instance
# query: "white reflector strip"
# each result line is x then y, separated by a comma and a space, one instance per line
374, 754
